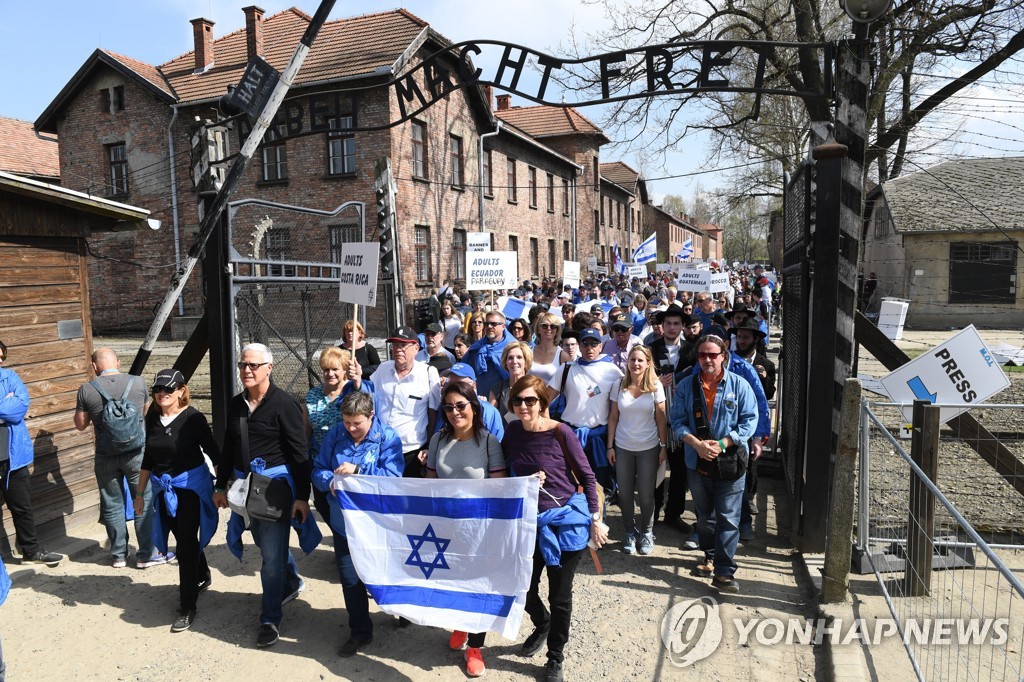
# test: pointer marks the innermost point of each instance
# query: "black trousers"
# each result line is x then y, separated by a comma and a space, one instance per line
17, 494
559, 598
192, 566
675, 486
413, 466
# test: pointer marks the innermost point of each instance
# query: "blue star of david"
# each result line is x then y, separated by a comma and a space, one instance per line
417, 541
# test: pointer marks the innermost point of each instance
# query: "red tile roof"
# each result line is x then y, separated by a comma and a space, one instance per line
545, 121
621, 174
344, 48
146, 71
22, 153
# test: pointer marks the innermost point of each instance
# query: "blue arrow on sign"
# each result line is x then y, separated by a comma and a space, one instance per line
920, 390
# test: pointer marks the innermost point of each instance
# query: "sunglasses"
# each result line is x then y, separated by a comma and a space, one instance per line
493, 324
478, 322
252, 366
709, 356
591, 343
457, 407
163, 389
529, 401
549, 326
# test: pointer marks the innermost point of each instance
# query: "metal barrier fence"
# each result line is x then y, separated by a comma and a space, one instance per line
955, 595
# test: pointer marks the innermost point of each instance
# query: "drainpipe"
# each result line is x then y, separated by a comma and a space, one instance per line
174, 204
480, 171
575, 246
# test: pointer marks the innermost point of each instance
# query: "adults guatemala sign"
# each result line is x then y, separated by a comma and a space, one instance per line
961, 371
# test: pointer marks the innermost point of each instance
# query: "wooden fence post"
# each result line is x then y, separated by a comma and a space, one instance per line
924, 450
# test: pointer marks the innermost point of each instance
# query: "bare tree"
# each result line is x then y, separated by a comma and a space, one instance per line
930, 53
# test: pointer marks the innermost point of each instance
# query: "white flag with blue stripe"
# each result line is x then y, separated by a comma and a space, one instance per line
647, 251
687, 251
456, 554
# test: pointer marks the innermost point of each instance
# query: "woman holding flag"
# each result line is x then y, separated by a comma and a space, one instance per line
361, 444
537, 445
463, 448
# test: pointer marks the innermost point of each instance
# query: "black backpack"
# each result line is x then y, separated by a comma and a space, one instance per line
121, 420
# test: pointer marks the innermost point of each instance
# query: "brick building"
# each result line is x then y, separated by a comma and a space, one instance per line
673, 231
531, 176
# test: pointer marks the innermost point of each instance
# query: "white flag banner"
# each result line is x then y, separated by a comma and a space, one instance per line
455, 554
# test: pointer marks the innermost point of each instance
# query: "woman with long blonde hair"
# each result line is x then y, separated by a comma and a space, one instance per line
636, 445
547, 355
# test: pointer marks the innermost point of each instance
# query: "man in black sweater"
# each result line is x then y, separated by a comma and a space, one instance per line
276, 435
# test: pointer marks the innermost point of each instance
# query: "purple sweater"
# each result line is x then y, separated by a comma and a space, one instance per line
527, 453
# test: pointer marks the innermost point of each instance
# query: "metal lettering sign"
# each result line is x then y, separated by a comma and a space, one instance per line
253, 91
960, 370
359, 261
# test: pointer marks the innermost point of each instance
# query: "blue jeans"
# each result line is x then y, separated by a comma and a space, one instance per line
717, 504
356, 602
279, 574
110, 469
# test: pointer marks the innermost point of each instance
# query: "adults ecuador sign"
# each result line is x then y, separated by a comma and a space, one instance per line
492, 270
961, 370
359, 261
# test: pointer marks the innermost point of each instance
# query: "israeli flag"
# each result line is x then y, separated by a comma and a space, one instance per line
647, 251
687, 251
455, 554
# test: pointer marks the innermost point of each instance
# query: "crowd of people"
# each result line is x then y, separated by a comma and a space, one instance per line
618, 392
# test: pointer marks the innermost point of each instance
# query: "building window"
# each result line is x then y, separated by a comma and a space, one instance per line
982, 272
531, 181
459, 254
565, 196
597, 227
510, 166
602, 210
487, 181
117, 157
883, 221
423, 273
274, 154
551, 193
341, 147
342, 234
513, 243
565, 250
457, 161
597, 175
112, 99
551, 257
419, 150
618, 213
534, 257
611, 212
277, 245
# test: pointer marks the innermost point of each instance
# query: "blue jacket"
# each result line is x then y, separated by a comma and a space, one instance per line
563, 529
744, 369
12, 410
380, 454
200, 482
485, 359
734, 414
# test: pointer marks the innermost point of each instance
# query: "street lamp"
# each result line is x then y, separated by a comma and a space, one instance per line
865, 11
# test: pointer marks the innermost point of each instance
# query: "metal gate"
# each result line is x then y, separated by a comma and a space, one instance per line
289, 304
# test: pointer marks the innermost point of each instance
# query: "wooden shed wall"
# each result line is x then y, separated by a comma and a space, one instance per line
42, 281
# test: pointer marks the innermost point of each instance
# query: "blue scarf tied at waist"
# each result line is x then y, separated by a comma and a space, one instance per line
308, 532
563, 529
200, 482
593, 438
5, 582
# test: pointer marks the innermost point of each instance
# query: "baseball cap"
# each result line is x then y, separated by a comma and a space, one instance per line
461, 369
622, 321
435, 328
171, 378
590, 333
403, 335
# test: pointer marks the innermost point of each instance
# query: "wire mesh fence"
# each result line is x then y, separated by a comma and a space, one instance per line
954, 591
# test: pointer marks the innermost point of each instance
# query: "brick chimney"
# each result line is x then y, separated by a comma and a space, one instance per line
202, 34
253, 31
504, 102
488, 95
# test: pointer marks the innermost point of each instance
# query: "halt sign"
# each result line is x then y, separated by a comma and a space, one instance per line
492, 270
961, 370
571, 274
359, 261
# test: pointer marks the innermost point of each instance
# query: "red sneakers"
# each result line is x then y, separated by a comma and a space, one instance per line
458, 640
474, 662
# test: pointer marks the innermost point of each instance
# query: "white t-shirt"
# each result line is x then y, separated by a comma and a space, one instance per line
402, 403
452, 327
588, 392
636, 429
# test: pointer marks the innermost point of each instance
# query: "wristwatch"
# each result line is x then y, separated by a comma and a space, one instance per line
596, 516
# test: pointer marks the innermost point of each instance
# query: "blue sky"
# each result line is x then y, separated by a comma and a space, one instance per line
43, 51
